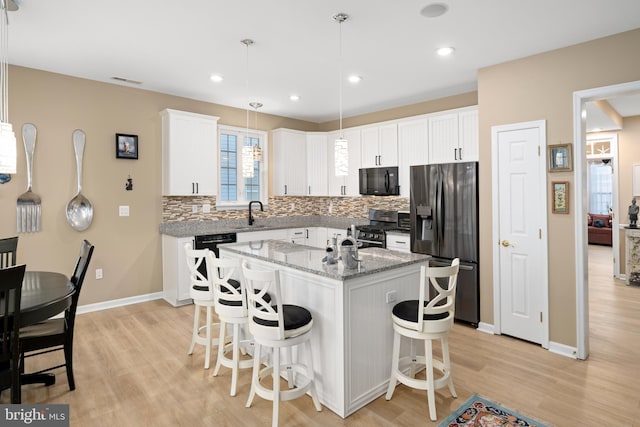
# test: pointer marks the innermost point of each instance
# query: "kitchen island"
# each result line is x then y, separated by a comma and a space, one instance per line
352, 334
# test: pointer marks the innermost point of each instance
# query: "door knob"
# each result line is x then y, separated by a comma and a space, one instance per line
506, 243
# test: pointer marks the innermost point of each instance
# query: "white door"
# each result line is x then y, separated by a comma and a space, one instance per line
520, 260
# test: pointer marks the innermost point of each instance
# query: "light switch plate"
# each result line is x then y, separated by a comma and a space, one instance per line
123, 210
194, 208
206, 208
98, 273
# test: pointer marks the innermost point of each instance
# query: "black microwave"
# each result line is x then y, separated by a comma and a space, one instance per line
379, 181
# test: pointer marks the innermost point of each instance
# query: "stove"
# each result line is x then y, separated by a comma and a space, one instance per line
374, 234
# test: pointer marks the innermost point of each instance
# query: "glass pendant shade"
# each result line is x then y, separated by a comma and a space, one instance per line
8, 154
247, 161
257, 153
341, 157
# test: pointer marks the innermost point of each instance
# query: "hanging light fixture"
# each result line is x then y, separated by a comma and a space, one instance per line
8, 153
247, 151
341, 145
257, 150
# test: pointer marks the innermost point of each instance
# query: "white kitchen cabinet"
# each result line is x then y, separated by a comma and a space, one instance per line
317, 164
344, 185
398, 241
290, 163
453, 137
339, 233
317, 237
413, 149
250, 236
379, 145
297, 236
175, 273
468, 144
189, 154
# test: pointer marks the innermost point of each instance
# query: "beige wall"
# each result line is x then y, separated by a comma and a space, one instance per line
535, 88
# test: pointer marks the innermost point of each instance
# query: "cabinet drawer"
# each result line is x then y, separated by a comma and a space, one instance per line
399, 242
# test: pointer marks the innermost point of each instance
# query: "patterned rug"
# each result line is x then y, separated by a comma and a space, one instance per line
484, 413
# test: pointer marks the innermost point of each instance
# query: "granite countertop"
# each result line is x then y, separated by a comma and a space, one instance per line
196, 228
309, 259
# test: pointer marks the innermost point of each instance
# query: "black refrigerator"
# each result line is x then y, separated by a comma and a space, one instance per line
444, 224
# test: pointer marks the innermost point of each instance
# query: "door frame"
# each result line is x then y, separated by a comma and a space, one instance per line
580, 202
542, 184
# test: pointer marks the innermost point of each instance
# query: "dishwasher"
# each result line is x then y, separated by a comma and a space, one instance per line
211, 242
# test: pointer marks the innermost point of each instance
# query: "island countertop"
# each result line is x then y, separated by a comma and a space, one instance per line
309, 259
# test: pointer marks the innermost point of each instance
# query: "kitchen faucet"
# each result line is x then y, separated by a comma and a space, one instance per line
251, 216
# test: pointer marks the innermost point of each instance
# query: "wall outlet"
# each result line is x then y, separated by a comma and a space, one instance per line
391, 296
293, 206
98, 273
206, 208
194, 208
123, 210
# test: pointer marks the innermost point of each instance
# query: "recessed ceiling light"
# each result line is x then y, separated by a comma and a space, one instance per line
445, 51
294, 97
434, 10
216, 78
355, 79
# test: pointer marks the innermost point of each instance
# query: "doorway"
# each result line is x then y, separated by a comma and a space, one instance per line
580, 98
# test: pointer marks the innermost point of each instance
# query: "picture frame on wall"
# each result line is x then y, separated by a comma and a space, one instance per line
560, 197
126, 146
559, 158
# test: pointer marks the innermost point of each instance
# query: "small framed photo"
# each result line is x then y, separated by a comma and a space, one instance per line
560, 197
126, 146
559, 157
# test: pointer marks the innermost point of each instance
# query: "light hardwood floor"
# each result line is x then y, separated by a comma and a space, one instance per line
132, 370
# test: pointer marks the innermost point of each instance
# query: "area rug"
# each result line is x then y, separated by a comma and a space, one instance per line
479, 412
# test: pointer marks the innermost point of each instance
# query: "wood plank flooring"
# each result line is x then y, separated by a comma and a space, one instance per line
132, 369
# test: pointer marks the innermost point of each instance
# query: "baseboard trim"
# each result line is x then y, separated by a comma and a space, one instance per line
563, 350
118, 303
487, 328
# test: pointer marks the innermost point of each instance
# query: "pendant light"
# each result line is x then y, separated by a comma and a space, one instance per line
257, 150
247, 151
8, 153
341, 145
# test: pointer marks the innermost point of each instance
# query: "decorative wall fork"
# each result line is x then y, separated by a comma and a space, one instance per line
29, 208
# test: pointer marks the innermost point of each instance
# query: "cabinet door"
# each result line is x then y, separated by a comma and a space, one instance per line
352, 181
297, 235
379, 146
370, 140
317, 237
189, 154
388, 145
468, 149
175, 273
443, 138
290, 166
317, 164
413, 149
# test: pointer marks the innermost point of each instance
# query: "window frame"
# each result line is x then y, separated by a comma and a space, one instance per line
240, 132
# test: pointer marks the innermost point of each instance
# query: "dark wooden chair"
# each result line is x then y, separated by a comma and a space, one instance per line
8, 248
10, 295
57, 334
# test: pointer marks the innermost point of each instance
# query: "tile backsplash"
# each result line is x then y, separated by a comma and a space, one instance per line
180, 208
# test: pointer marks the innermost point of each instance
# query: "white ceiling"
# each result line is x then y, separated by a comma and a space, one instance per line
173, 47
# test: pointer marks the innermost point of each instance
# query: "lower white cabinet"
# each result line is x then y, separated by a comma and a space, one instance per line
175, 273
251, 236
297, 236
399, 242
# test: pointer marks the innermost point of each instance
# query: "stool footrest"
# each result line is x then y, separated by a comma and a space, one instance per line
438, 367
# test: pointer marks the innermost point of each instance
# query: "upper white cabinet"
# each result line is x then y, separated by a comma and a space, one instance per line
317, 164
413, 149
189, 154
379, 145
290, 163
468, 144
453, 137
344, 185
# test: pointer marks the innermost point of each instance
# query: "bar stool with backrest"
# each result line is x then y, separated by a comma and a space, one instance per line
10, 296
201, 291
427, 320
277, 326
8, 249
231, 307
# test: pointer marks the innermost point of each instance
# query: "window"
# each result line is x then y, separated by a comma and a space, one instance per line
236, 187
600, 187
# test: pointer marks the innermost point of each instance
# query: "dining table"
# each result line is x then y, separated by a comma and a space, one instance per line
45, 294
